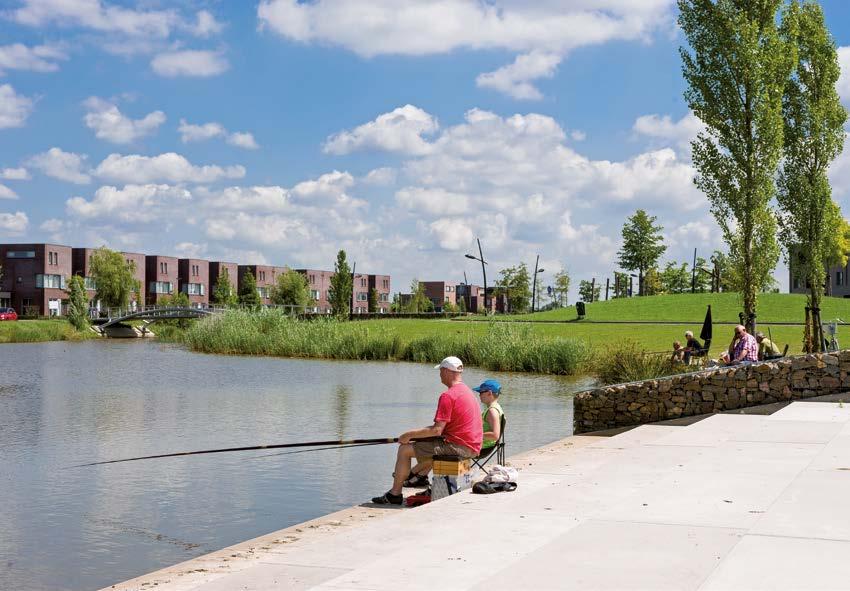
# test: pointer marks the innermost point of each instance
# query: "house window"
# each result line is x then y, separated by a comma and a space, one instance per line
796, 283
20, 254
196, 289
161, 287
50, 281
314, 294
839, 278
90, 283
362, 296
263, 292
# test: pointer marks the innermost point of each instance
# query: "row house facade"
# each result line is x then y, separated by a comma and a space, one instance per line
440, 293
193, 279
836, 282
81, 265
34, 278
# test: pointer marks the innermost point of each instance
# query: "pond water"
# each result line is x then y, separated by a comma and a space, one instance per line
63, 404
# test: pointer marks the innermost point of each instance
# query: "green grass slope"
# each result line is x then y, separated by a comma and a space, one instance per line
772, 307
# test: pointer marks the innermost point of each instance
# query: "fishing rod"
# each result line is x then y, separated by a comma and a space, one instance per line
338, 443
301, 451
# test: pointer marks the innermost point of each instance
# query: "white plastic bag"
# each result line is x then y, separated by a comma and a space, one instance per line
499, 473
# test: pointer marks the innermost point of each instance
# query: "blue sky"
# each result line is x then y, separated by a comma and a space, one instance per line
282, 131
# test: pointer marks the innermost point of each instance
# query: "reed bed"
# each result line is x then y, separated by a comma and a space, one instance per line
39, 331
503, 347
628, 362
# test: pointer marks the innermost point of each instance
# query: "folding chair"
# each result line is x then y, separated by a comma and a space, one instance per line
497, 450
701, 355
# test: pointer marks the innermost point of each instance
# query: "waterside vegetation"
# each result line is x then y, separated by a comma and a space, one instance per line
40, 331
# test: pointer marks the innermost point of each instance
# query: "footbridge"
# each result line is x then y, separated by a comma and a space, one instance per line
152, 314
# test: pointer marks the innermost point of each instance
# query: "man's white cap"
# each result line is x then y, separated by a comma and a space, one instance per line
452, 363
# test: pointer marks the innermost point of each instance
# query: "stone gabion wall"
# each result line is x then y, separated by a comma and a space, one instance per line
711, 390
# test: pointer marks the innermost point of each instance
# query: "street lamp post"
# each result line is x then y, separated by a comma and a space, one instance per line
534, 284
631, 283
480, 258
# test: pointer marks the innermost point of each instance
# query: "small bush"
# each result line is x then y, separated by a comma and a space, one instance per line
627, 362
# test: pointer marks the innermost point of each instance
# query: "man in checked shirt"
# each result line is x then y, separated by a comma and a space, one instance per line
744, 347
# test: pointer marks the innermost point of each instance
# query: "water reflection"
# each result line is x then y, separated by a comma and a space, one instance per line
64, 404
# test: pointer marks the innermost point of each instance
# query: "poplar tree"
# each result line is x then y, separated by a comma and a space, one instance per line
736, 68
813, 138
643, 245
223, 294
248, 295
78, 304
342, 283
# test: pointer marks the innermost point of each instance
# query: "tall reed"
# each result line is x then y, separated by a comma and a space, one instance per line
504, 347
628, 362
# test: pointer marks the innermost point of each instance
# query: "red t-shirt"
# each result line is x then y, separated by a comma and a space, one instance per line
458, 408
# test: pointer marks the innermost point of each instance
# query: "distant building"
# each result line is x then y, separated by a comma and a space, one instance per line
472, 297
318, 282
836, 282
216, 270
382, 287
138, 261
81, 265
161, 275
266, 278
440, 293
193, 279
35, 277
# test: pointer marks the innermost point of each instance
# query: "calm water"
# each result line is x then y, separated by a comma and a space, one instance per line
63, 404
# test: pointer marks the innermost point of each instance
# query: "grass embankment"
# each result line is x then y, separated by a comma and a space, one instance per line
39, 331
772, 307
497, 346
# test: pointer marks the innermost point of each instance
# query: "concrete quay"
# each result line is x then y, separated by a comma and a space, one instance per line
730, 502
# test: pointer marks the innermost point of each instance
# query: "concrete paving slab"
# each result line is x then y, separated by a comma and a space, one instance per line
755, 457
707, 499
711, 431
835, 455
634, 437
778, 564
815, 505
274, 576
790, 431
635, 556
814, 411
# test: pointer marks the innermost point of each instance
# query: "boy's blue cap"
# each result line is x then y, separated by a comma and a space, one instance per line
489, 386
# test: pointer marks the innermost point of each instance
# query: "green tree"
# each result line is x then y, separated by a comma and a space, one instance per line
515, 283
248, 295
703, 276
373, 301
652, 282
621, 284
78, 303
224, 294
813, 138
676, 278
736, 71
418, 302
340, 290
178, 300
291, 289
561, 287
643, 245
114, 276
461, 305
588, 292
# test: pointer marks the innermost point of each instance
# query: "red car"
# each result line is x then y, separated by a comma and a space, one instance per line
8, 314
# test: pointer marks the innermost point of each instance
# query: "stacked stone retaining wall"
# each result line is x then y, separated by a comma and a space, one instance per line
711, 390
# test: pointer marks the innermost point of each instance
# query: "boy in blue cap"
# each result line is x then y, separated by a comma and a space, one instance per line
488, 394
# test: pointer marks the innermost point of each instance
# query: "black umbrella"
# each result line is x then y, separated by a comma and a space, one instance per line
705, 333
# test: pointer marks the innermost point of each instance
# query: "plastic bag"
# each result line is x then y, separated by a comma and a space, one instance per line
497, 473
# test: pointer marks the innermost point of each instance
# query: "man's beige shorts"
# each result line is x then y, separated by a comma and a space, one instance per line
425, 450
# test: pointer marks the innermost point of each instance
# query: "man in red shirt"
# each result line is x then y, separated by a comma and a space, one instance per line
457, 430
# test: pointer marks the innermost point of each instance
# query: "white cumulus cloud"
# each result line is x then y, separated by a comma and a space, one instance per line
516, 79
164, 168
132, 203
452, 234
110, 124
14, 107
190, 132
65, 166
7, 193
665, 131
435, 201
15, 174
190, 62
844, 78
13, 224
401, 130
242, 139
39, 58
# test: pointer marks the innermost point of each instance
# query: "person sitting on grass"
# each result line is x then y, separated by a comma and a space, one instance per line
457, 431
491, 419
767, 348
678, 352
692, 347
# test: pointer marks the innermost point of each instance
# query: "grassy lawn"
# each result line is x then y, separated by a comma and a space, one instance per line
772, 307
37, 331
650, 337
